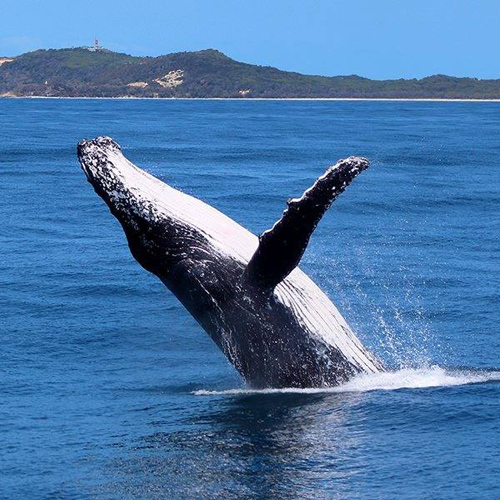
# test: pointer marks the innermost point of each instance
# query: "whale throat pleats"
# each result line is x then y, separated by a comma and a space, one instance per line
281, 247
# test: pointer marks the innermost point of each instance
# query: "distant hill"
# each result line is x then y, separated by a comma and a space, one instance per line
207, 73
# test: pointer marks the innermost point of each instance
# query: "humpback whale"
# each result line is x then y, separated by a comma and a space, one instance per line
272, 322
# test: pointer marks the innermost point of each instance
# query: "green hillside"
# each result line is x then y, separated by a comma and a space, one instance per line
207, 73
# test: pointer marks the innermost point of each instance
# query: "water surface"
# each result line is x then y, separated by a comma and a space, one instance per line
109, 389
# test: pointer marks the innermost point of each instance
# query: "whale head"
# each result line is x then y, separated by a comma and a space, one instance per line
149, 210
114, 179
163, 225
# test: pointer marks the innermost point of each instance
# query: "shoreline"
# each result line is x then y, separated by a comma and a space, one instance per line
130, 98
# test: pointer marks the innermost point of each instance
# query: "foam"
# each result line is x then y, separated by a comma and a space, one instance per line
389, 381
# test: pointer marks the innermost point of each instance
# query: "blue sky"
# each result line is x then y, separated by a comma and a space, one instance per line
372, 38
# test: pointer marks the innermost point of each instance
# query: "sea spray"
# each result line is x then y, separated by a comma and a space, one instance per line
434, 376
384, 309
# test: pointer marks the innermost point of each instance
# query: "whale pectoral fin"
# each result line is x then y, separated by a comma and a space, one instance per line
281, 247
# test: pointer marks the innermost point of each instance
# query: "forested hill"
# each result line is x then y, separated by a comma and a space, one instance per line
208, 73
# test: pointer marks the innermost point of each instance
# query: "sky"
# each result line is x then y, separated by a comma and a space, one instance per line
378, 39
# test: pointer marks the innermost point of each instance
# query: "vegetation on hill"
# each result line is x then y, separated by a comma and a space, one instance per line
207, 73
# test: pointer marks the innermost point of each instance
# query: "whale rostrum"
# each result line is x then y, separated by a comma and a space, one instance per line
272, 322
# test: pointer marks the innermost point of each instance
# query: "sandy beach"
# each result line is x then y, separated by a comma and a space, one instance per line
254, 98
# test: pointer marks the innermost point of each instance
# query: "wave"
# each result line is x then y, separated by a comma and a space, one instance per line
389, 381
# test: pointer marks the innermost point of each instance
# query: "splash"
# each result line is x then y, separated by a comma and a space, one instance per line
385, 309
388, 381
387, 312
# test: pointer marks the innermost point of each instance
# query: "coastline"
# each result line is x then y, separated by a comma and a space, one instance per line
382, 99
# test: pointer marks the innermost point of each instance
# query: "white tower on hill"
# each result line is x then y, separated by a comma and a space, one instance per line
96, 47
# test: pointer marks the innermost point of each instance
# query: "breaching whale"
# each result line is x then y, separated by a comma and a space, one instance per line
268, 317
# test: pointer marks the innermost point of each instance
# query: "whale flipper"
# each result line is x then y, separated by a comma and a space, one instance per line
281, 247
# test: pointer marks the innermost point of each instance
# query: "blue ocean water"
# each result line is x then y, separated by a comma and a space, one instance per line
109, 389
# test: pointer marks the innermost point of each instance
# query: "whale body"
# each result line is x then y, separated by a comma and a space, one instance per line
272, 322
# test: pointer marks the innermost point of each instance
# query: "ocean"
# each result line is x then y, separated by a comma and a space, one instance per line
109, 389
